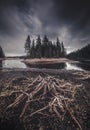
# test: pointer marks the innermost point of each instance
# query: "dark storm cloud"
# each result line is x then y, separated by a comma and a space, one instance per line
67, 19
74, 13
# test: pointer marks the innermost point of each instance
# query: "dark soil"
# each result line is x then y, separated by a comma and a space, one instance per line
10, 80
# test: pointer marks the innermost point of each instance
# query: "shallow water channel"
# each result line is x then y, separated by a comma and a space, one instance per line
17, 63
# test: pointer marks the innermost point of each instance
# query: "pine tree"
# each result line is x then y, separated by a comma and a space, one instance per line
45, 40
54, 51
50, 49
2, 55
27, 46
33, 50
63, 51
45, 46
38, 47
58, 47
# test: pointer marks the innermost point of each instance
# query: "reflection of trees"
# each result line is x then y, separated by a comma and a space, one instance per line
48, 66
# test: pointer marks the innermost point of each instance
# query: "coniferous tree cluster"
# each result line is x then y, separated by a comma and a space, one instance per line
83, 53
44, 48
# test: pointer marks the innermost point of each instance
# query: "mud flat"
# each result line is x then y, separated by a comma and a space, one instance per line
44, 100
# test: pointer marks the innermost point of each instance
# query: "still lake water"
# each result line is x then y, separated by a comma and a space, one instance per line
16, 63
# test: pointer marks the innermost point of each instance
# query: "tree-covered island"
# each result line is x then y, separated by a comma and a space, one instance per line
44, 48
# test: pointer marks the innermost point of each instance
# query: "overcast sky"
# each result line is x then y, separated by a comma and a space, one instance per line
67, 19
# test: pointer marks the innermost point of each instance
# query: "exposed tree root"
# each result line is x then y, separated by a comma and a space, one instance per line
52, 95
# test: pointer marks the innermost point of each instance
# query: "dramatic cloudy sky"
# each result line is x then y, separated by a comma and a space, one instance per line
67, 19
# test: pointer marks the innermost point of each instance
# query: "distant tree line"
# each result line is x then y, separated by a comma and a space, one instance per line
2, 55
83, 53
44, 48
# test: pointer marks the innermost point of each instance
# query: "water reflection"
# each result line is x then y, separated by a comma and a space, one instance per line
16, 63
49, 66
73, 66
82, 66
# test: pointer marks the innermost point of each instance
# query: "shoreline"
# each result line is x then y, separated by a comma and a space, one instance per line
43, 61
